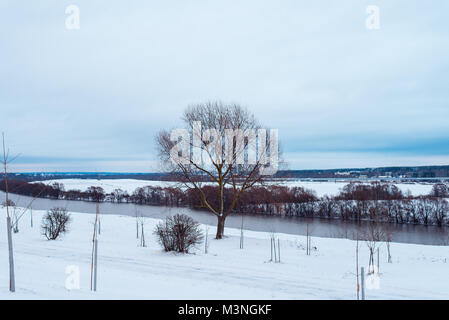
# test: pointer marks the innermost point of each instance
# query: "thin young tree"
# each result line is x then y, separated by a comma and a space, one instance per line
388, 241
357, 236
308, 240
136, 213
140, 220
241, 234
10, 225
206, 241
93, 270
373, 236
233, 153
12, 283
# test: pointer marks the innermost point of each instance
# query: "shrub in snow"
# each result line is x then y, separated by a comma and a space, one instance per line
178, 233
55, 223
10, 203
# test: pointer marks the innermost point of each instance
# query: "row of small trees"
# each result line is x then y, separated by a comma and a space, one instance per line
421, 210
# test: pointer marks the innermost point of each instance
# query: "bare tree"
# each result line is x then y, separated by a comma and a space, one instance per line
206, 241
388, 241
308, 240
12, 283
178, 233
273, 247
9, 224
140, 223
373, 236
93, 269
55, 223
224, 154
241, 233
357, 265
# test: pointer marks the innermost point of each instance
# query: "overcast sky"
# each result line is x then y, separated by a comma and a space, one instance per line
340, 94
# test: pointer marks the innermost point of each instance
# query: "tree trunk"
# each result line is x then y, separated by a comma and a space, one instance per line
12, 281
220, 227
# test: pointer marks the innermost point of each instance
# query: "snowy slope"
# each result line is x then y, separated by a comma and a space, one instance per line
127, 271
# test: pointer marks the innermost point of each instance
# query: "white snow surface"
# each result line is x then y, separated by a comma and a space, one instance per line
129, 185
128, 271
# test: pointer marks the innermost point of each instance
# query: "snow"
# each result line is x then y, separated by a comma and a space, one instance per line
333, 188
128, 271
129, 185
109, 185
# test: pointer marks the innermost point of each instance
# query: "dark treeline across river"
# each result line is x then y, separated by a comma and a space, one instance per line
376, 202
299, 208
403, 233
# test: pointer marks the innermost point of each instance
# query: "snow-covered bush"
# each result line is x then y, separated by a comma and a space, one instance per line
55, 222
178, 233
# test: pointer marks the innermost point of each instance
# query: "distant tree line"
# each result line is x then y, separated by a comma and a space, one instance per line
380, 202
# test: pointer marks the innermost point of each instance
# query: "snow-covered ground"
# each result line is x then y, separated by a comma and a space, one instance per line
109, 185
128, 271
129, 185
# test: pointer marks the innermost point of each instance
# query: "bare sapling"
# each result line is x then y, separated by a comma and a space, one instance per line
357, 264
378, 265
308, 240
373, 236
10, 225
137, 223
362, 275
206, 240
16, 220
142, 238
241, 234
275, 251
279, 250
94, 259
141, 223
388, 241
12, 283
28, 207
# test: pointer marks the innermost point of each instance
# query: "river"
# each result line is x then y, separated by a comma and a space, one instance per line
404, 233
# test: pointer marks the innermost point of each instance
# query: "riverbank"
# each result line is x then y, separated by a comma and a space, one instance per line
128, 271
329, 228
130, 185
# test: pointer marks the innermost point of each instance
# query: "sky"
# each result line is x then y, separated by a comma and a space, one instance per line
341, 95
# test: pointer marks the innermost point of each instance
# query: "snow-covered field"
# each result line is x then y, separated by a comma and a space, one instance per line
128, 271
109, 185
129, 185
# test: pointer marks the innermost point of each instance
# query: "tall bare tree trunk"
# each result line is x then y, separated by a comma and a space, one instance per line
12, 281
220, 227
357, 266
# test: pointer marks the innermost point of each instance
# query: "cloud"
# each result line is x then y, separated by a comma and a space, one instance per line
312, 70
